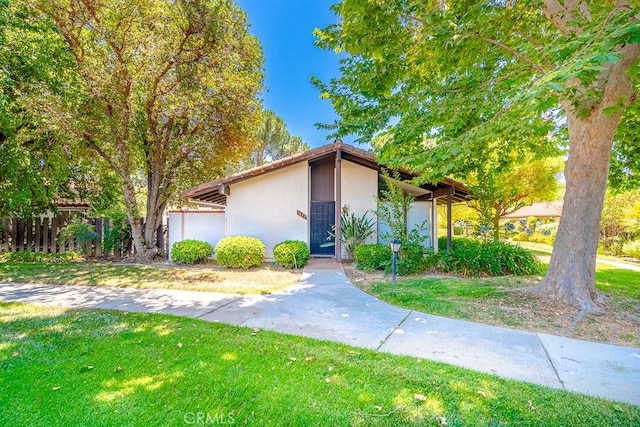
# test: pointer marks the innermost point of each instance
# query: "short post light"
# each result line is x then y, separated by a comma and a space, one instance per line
395, 248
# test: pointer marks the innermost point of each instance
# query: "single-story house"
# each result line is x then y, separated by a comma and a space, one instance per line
539, 210
301, 197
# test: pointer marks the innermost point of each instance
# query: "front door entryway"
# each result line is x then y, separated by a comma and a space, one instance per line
322, 218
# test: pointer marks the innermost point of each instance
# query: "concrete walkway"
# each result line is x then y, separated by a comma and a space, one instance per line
619, 264
325, 305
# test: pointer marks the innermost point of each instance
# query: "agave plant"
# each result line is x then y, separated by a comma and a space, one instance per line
353, 231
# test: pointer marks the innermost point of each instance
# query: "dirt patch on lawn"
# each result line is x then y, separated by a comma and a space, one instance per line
513, 307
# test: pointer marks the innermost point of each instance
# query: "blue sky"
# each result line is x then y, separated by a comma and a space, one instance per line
285, 29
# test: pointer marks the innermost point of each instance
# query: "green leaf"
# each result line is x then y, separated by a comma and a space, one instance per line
558, 87
161, 94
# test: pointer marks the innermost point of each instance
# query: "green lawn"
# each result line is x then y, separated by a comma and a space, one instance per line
449, 297
454, 296
544, 249
259, 280
105, 368
617, 281
492, 301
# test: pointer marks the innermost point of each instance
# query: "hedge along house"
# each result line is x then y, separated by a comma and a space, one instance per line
300, 197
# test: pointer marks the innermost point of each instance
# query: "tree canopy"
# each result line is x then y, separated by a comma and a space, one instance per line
454, 83
273, 142
37, 168
166, 95
476, 77
624, 173
500, 191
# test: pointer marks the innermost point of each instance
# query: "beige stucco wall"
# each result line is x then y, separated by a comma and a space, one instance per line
359, 190
266, 207
198, 225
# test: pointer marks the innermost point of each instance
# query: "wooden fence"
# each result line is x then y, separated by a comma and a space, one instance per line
41, 235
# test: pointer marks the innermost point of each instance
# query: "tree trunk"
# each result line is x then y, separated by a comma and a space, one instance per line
145, 238
496, 223
137, 231
571, 275
142, 232
155, 209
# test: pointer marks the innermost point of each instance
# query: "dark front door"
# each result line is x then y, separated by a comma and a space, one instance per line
323, 217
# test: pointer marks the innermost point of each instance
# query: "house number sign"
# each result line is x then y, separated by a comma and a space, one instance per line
302, 215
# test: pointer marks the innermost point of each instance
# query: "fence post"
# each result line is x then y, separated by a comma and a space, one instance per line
37, 223
5, 236
14, 234
29, 235
45, 235
70, 243
98, 242
54, 232
20, 235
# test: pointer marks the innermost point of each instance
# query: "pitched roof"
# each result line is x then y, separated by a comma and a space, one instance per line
539, 210
214, 191
72, 203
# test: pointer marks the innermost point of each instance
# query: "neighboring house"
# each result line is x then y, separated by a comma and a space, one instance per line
69, 207
300, 197
539, 210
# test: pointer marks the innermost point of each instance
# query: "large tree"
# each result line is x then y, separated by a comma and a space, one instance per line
167, 95
38, 168
273, 142
449, 78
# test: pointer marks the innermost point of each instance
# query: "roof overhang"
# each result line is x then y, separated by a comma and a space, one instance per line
216, 192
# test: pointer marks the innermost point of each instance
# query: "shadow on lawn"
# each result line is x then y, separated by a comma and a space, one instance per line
79, 367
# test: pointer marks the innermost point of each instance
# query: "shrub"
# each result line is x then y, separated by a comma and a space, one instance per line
372, 257
28, 256
442, 242
117, 235
546, 239
476, 258
292, 253
520, 237
68, 256
411, 259
239, 252
513, 259
191, 251
632, 249
23, 256
82, 232
354, 231
611, 245
379, 257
